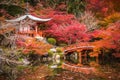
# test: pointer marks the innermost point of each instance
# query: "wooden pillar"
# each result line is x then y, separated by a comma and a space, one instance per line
97, 61
80, 57
36, 29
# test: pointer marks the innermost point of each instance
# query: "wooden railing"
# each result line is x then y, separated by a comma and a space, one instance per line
31, 33
78, 47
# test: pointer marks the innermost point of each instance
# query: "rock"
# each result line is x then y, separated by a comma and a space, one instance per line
25, 61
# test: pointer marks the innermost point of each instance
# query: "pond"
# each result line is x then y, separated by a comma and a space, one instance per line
60, 69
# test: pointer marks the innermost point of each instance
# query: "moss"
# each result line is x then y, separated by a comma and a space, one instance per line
59, 50
50, 53
51, 41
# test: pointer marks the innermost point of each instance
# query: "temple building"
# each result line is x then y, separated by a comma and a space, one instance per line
27, 25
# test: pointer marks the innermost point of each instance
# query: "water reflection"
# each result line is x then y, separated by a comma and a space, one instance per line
55, 64
72, 57
56, 58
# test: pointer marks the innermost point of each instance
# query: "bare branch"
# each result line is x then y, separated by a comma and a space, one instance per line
11, 61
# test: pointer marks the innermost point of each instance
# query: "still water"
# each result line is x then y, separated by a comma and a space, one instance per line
57, 68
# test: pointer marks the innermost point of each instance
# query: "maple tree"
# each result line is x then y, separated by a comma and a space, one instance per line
65, 28
31, 44
108, 39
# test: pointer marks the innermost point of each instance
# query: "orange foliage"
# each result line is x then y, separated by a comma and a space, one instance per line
37, 47
5, 30
110, 38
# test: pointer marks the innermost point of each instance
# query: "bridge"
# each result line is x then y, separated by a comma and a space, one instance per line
81, 50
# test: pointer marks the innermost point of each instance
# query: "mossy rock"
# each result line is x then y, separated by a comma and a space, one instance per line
50, 53
59, 50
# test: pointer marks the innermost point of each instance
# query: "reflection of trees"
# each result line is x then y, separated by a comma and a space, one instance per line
38, 73
10, 63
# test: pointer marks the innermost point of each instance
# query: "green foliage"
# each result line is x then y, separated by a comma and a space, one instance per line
21, 68
59, 50
32, 2
51, 41
50, 53
62, 44
73, 6
10, 64
3, 6
42, 26
76, 7
13, 10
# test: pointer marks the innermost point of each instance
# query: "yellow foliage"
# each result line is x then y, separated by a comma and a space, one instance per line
110, 19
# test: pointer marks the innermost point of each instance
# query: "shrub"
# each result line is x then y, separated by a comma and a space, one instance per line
50, 53
51, 41
62, 44
59, 50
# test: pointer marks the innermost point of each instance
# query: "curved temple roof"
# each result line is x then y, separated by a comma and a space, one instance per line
28, 16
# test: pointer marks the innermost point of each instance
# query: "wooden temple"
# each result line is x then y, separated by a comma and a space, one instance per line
31, 29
